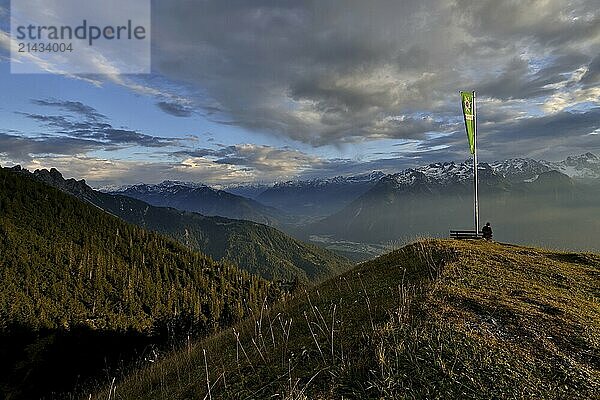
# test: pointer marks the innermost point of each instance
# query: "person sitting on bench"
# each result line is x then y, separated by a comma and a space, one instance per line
487, 231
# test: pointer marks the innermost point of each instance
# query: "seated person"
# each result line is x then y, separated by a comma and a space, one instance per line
487, 231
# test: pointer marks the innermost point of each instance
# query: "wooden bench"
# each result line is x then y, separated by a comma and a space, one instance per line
465, 234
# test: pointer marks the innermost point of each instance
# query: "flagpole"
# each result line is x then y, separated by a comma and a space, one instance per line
475, 179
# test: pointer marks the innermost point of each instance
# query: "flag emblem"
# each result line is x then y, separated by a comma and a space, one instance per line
468, 113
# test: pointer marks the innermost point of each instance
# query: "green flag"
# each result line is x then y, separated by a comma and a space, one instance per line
468, 107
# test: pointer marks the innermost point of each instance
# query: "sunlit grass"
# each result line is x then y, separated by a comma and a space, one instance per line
435, 319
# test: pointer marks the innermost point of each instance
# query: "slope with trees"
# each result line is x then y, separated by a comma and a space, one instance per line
68, 269
255, 247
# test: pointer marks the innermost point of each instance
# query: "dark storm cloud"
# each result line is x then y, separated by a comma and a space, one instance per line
76, 107
549, 23
592, 75
175, 109
278, 53
88, 123
21, 148
565, 125
332, 72
565, 133
517, 82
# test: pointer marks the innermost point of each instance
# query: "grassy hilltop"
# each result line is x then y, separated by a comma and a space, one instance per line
435, 319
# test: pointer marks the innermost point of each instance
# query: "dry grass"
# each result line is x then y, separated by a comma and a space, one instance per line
500, 322
435, 319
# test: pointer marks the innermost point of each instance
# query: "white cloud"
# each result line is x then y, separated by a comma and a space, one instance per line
239, 163
100, 171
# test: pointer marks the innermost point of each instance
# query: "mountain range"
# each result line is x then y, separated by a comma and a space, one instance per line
317, 197
203, 200
585, 167
280, 203
257, 248
378, 208
529, 201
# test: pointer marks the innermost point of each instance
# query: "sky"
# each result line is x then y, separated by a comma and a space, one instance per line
257, 91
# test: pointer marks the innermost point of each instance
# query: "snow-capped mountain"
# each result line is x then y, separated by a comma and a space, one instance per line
585, 166
202, 199
522, 169
318, 196
336, 180
520, 193
254, 190
582, 167
163, 187
436, 174
324, 196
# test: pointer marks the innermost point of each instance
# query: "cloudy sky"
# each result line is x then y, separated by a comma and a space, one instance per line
244, 91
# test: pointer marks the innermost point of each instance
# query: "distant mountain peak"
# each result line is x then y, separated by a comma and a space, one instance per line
170, 183
167, 186
339, 179
585, 156
584, 166
581, 159
54, 176
440, 173
203, 199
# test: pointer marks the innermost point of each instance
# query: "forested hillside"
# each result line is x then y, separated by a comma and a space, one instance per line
68, 266
257, 248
